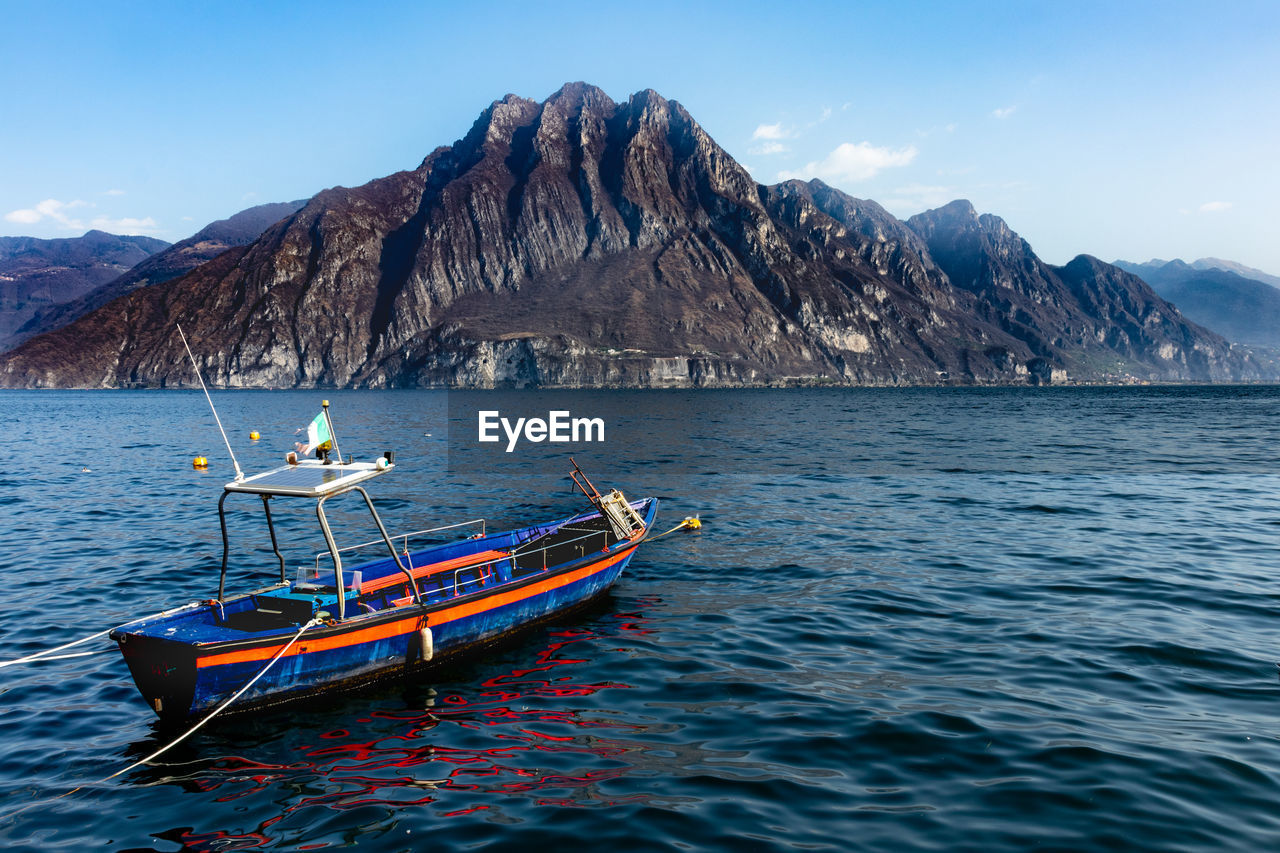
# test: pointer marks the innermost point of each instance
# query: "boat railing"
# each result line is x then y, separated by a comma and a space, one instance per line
403, 539
521, 551
460, 585
479, 579
524, 550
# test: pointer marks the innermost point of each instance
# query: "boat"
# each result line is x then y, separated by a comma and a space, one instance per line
419, 604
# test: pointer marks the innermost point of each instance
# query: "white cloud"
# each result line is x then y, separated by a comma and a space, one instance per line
769, 148
127, 225
114, 192
937, 128
853, 162
771, 131
25, 217
917, 197
826, 114
50, 208
1004, 112
60, 212
1215, 206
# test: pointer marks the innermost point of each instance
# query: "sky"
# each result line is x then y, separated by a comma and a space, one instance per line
1129, 130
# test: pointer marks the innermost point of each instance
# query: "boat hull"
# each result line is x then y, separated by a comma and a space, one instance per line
332, 658
192, 679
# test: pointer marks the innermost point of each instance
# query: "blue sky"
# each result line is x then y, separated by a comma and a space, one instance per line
1118, 129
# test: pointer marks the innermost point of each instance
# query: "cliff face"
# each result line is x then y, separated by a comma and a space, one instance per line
585, 242
36, 274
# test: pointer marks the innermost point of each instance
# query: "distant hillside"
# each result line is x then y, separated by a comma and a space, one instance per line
1240, 309
182, 257
36, 274
1238, 269
1203, 264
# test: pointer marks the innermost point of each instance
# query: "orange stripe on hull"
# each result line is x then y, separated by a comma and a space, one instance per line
412, 622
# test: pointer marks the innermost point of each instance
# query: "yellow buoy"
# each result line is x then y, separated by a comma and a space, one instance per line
200, 462
693, 523
253, 436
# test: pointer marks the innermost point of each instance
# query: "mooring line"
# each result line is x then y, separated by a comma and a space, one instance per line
39, 656
42, 655
690, 522
189, 732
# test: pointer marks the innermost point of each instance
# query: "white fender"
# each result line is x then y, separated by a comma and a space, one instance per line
428, 643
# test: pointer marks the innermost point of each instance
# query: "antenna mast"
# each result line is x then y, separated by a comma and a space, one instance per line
239, 473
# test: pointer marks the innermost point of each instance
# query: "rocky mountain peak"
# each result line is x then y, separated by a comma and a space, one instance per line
579, 241
580, 96
494, 125
1084, 265
959, 210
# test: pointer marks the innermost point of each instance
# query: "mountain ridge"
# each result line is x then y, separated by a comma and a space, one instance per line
1207, 263
1241, 308
582, 242
37, 273
168, 263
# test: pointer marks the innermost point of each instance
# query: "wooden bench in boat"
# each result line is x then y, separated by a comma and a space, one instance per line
419, 572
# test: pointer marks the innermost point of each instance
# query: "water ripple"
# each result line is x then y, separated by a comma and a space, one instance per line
962, 619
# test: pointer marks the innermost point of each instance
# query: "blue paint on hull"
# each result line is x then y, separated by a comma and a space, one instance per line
164, 654
306, 674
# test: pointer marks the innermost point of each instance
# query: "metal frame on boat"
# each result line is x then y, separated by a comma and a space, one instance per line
313, 633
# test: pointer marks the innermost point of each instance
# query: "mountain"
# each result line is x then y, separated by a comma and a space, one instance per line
1240, 308
182, 257
1156, 264
1237, 268
1090, 316
35, 274
583, 242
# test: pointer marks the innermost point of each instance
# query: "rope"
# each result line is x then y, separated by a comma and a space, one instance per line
41, 655
189, 732
688, 522
80, 654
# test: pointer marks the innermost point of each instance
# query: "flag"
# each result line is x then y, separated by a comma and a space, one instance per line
317, 435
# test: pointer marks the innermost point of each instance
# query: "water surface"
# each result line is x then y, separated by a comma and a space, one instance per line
962, 619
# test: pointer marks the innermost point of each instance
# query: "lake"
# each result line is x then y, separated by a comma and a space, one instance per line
914, 619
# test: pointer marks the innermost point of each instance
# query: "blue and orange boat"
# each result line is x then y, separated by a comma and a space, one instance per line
336, 627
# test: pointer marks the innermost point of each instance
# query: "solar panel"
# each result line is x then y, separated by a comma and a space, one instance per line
309, 478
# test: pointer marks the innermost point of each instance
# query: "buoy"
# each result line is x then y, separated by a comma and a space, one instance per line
253, 436
693, 522
200, 462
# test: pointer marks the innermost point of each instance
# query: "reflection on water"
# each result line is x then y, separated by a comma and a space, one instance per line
404, 757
